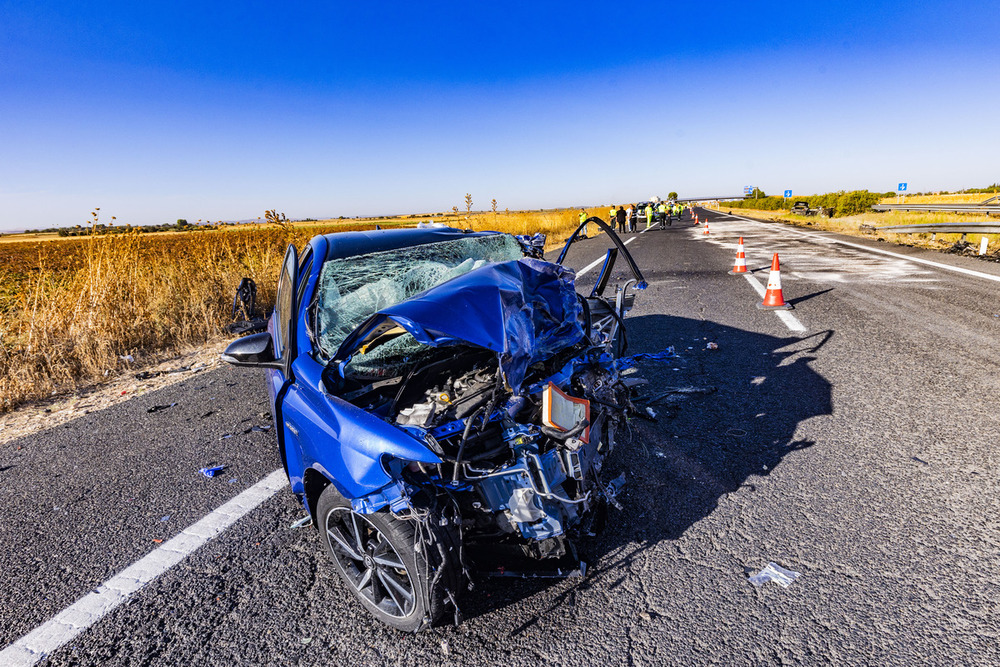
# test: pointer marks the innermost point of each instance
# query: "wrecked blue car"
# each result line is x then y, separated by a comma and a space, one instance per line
444, 401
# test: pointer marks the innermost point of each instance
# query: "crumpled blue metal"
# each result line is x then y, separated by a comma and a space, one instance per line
524, 310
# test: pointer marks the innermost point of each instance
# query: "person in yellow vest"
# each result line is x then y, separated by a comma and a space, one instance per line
611, 216
649, 216
661, 213
583, 221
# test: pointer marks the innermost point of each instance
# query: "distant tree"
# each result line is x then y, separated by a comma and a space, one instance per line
181, 223
672, 195
468, 203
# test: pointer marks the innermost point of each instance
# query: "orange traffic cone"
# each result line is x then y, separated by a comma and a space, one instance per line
706, 228
696, 220
741, 260
773, 299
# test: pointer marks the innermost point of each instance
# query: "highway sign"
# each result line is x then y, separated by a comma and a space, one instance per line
788, 193
902, 187
747, 189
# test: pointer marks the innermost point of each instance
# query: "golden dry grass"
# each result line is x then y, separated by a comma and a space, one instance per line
941, 199
72, 307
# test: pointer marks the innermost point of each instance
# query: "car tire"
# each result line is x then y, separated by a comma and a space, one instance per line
376, 556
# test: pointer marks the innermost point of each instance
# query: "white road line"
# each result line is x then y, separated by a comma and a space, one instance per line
70, 622
598, 261
790, 320
829, 239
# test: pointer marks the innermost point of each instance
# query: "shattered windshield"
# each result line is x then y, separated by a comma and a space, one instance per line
353, 288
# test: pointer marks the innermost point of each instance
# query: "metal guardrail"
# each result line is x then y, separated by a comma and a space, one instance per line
944, 228
941, 208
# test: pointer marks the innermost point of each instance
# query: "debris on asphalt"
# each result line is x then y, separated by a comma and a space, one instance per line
306, 640
304, 522
211, 472
777, 574
158, 541
258, 429
444, 646
757, 381
149, 375
712, 346
651, 412
628, 362
160, 408
919, 460
232, 481
226, 436
164, 519
207, 414
677, 390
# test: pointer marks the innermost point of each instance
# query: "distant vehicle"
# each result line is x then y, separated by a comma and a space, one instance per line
802, 208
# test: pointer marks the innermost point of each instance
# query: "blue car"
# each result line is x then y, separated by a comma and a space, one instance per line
444, 401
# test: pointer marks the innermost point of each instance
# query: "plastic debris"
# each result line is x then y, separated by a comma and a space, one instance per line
777, 574
165, 519
712, 346
226, 436
211, 472
127, 358
628, 362
304, 522
160, 408
258, 429
651, 412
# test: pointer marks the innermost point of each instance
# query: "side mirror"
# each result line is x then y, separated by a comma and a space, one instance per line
255, 350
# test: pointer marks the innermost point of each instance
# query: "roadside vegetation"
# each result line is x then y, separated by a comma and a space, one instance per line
76, 311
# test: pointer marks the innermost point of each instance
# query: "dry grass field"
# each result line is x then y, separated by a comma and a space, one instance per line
73, 310
958, 198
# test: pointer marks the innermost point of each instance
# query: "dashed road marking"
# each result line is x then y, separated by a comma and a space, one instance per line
789, 320
70, 622
599, 260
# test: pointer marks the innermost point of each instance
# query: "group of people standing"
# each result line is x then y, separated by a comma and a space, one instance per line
628, 219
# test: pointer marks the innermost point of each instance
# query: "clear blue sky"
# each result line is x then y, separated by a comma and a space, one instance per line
157, 111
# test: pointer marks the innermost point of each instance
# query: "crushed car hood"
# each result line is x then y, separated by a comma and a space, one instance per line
524, 310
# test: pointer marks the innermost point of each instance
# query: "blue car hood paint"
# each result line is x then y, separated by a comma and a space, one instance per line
524, 310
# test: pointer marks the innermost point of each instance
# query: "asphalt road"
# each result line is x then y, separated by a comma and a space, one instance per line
859, 452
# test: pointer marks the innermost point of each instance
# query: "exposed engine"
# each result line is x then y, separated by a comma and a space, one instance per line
523, 469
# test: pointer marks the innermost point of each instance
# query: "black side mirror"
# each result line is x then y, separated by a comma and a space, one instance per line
255, 350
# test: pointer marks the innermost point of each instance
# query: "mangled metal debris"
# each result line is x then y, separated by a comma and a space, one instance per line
449, 404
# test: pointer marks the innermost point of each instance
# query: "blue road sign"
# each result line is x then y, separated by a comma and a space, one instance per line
902, 187
747, 190
788, 193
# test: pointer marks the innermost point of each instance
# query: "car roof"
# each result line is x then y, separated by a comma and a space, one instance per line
348, 244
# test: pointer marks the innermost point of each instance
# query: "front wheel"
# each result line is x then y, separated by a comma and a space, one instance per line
377, 558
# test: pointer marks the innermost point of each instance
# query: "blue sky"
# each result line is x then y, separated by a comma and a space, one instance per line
158, 111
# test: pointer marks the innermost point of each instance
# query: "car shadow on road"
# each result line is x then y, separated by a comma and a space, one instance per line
734, 423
